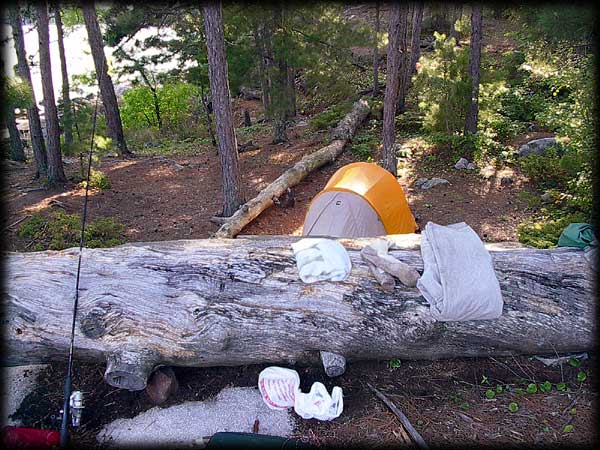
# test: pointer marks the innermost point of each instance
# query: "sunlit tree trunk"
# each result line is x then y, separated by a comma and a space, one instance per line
67, 110
107, 90
35, 127
56, 173
376, 52
404, 57
474, 70
397, 21
219, 86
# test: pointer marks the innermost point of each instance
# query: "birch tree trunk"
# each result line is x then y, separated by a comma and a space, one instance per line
107, 90
35, 127
474, 70
219, 86
231, 302
67, 110
56, 173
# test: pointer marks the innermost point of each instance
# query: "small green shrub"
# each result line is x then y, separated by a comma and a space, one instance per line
98, 180
544, 233
60, 230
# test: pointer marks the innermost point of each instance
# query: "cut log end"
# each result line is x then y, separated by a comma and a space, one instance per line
334, 364
128, 370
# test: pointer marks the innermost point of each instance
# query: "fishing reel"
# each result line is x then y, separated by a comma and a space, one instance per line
76, 406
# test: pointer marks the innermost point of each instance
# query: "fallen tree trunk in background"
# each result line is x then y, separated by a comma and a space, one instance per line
225, 302
291, 177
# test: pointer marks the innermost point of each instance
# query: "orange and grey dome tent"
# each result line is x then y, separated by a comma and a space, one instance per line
359, 200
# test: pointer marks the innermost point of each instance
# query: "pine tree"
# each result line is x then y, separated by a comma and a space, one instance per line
56, 173
221, 105
35, 127
376, 52
66, 99
107, 90
474, 70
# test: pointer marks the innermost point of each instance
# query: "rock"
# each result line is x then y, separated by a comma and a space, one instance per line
537, 146
471, 166
546, 197
161, 385
420, 182
462, 163
428, 184
402, 151
506, 181
177, 167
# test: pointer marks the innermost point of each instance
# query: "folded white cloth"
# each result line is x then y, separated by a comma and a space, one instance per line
321, 259
458, 279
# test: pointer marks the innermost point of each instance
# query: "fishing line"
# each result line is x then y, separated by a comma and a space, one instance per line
64, 431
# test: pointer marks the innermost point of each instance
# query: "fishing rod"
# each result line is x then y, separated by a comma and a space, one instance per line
74, 400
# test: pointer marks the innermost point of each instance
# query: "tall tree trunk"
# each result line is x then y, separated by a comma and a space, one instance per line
279, 93
376, 52
219, 87
262, 39
107, 90
291, 92
404, 58
209, 124
474, 70
16, 145
397, 22
56, 173
415, 52
67, 111
35, 127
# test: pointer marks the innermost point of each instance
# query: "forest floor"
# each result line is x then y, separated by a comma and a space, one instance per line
173, 196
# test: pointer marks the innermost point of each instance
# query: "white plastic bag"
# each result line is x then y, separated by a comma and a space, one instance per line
280, 389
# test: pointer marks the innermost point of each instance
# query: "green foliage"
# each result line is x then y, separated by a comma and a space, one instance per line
490, 393
557, 22
442, 85
330, 117
546, 386
532, 388
98, 180
60, 230
394, 363
513, 407
544, 232
177, 105
581, 376
17, 93
364, 143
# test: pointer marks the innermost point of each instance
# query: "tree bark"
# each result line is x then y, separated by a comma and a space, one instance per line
376, 52
395, 31
107, 90
404, 58
229, 302
340, 135
16, 145
56, 173
474, 70
219, 85
67, 110
35, 127
415, 50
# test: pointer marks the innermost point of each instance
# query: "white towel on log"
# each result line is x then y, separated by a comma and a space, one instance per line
458, 280
321, 259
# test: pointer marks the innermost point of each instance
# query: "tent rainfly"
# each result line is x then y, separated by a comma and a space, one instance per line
360, 200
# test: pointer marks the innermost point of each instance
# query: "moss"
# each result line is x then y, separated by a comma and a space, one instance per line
59, 230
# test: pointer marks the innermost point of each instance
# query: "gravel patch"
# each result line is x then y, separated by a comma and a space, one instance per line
233, 409
18, 382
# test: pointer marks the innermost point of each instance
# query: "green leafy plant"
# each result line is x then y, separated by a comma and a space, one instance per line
513, 407
532, 388
394, 363
98, 180
546, 386
568, 428
574, 362
581, 376
490, 393
561, 387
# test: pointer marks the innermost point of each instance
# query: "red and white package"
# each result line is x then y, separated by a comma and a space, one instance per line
278, 387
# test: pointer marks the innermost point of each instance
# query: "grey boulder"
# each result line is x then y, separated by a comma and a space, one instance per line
537, 146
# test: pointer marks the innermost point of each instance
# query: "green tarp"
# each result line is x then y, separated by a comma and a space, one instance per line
577, 235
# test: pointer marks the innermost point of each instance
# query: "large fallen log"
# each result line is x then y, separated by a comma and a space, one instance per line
294, 175
225, 302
